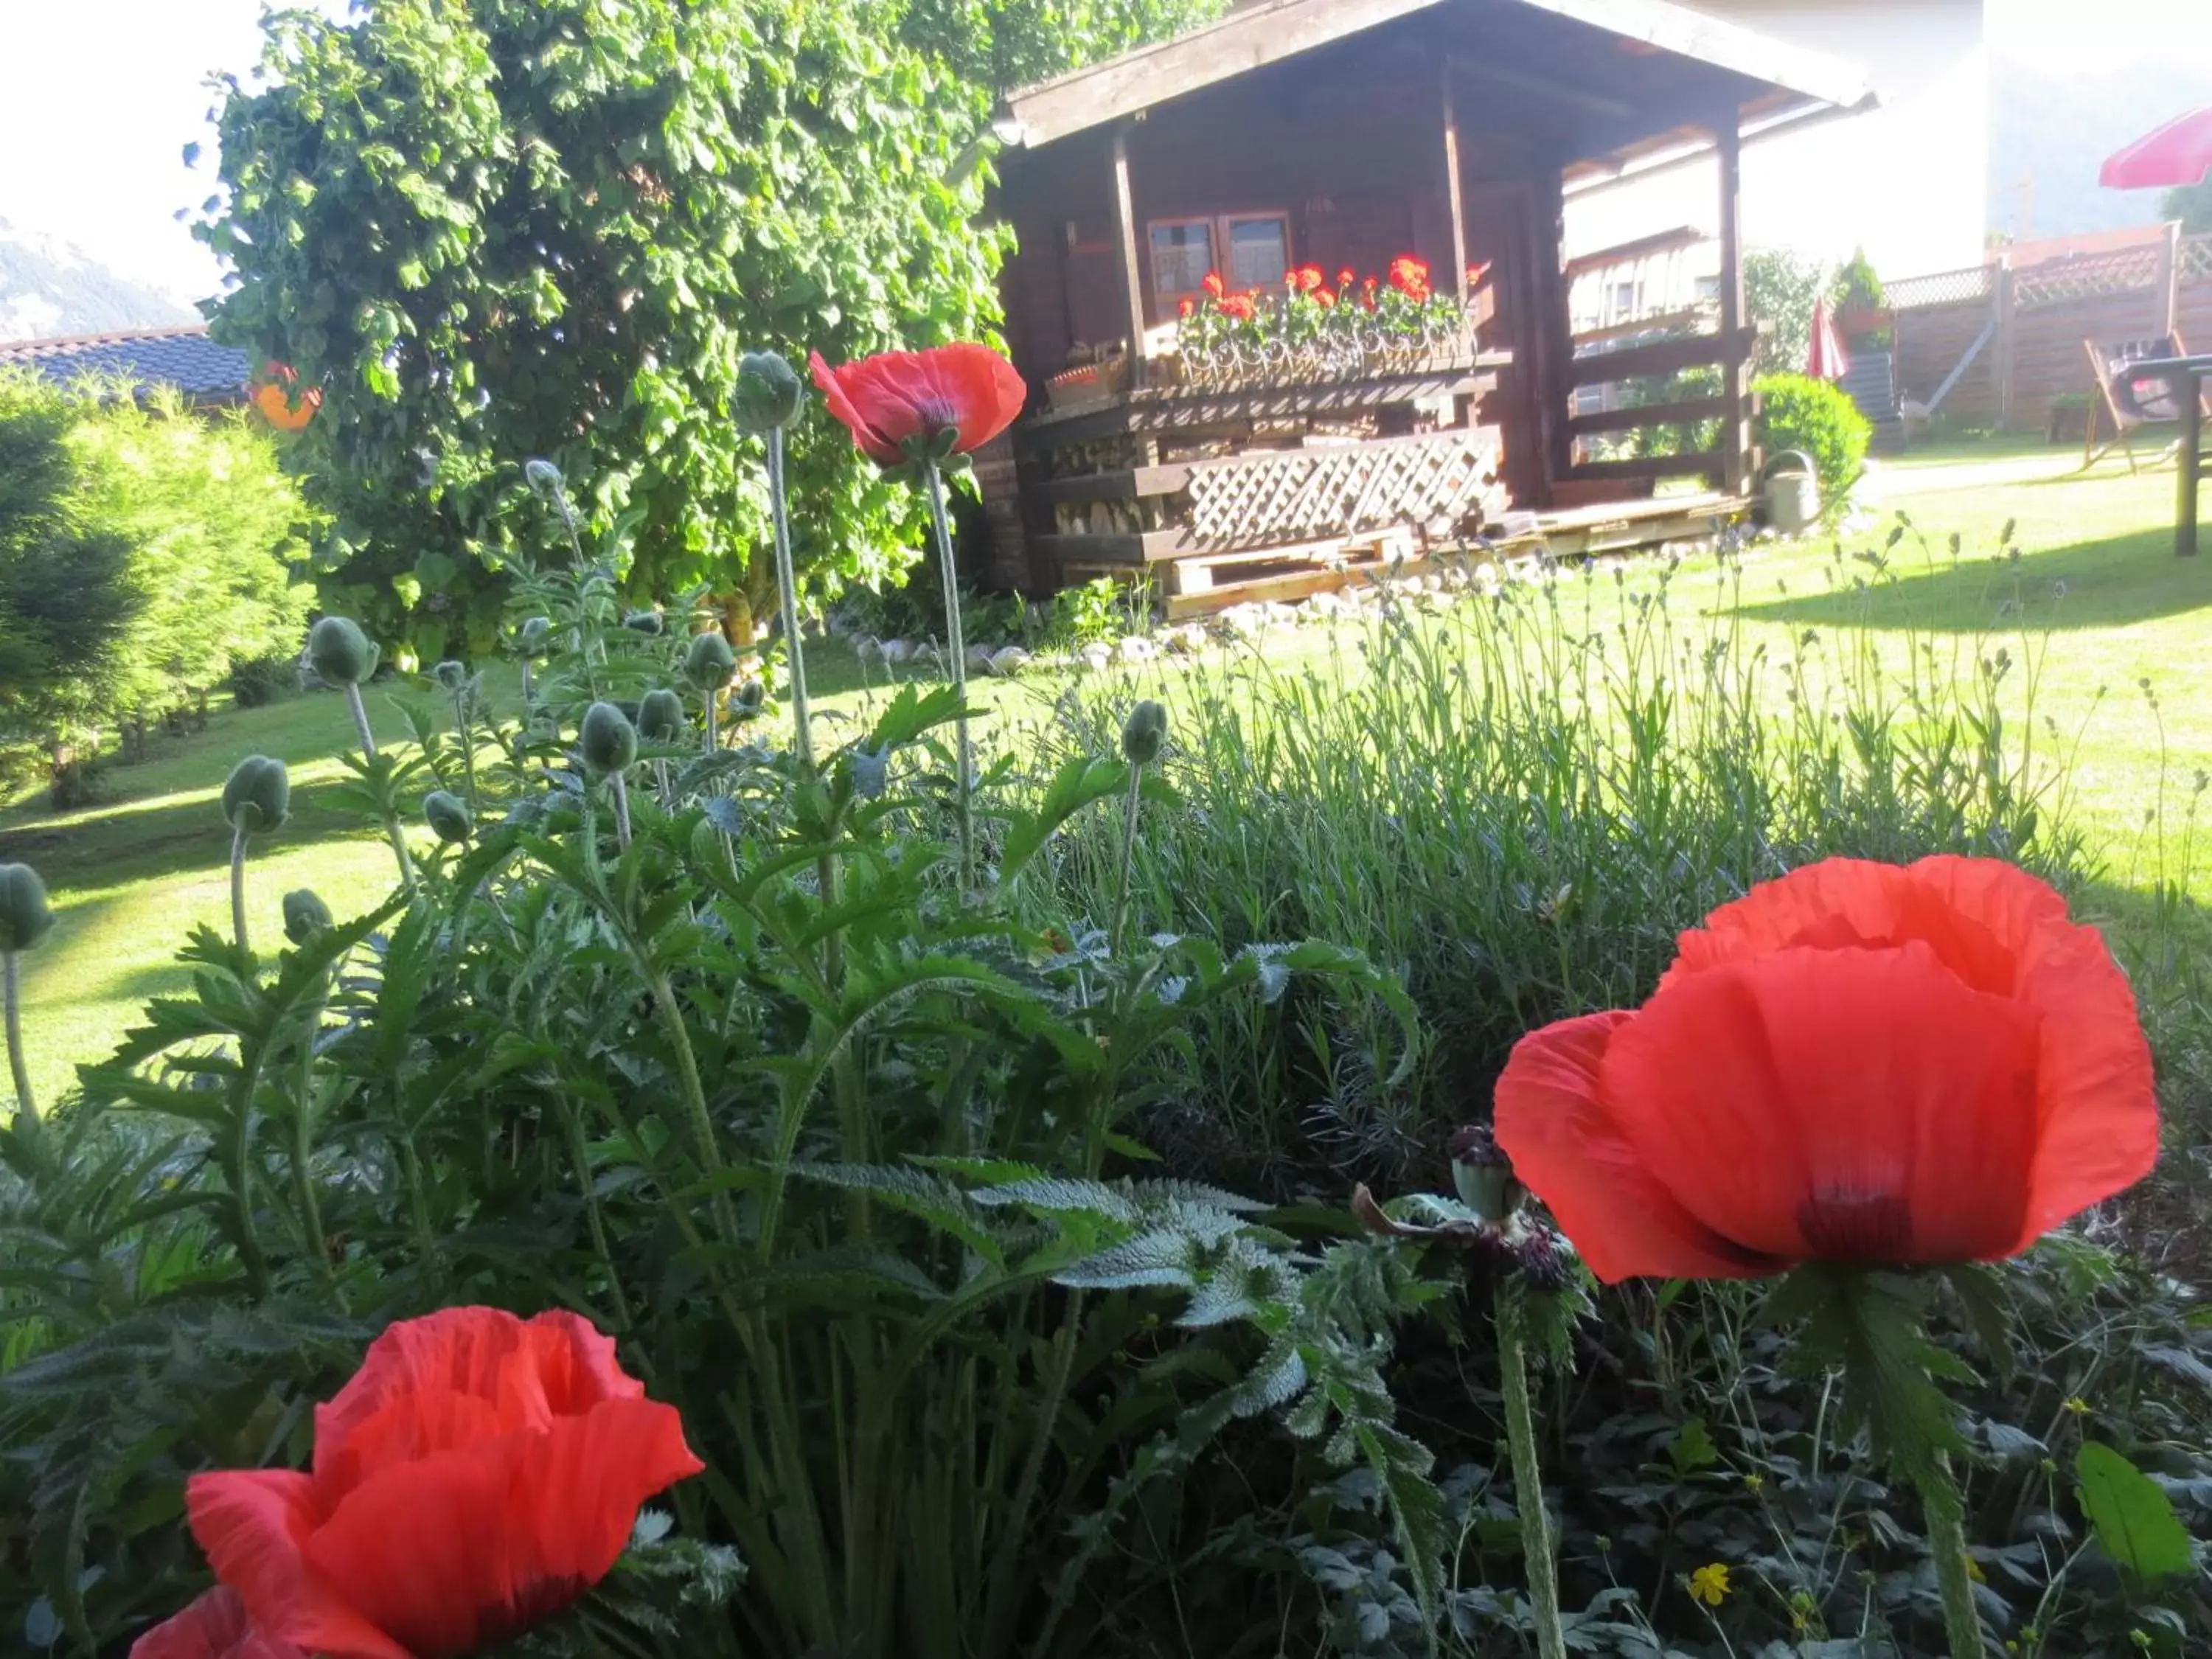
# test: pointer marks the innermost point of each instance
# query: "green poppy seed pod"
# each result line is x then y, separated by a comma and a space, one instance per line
1143, 733
1482, 1175
451, 674
541, 475
643, 621
448, 815
256, 797
339, 651
534, 638
708, 661
609, 741
304, 914
660, 717
24, 918
768, 392
749, 698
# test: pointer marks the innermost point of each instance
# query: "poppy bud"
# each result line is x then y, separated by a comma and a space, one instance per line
304, 914
24, 918
768, 393
448, 815
1481, 1173
661, 716
1143, 733
339, 651
709, 661
534, 638
609, 741
749, 698
451, 674
541, 475
643, 621
256, 797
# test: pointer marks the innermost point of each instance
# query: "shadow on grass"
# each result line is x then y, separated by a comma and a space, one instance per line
181, 842
2110, 582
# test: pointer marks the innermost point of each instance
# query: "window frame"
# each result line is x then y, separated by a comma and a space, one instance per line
1166, 303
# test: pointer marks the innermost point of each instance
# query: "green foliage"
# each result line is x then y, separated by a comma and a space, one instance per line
2191, 204
2134, 1518
1799, 412
997, 46
471, 221
1780, 289
144, 550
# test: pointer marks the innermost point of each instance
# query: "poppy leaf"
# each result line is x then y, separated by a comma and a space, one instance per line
2133, 1518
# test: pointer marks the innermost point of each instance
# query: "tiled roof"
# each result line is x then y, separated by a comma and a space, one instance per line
183, 358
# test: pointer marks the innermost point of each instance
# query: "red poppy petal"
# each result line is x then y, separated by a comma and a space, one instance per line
1855, 904
1567, 1151
252, 1523
838, 396
1858, 1104
983, 386
470, 1548
213, 1627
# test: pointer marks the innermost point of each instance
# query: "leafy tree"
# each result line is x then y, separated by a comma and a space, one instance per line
1780, 289
996, 45
2192, 205
65, 596
494, 229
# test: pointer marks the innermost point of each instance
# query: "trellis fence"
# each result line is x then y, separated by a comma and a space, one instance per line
1995, 346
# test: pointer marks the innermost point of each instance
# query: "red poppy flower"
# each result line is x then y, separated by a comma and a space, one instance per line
1214, 285
477, 1474
970, 391
213, 1627
1858, 1062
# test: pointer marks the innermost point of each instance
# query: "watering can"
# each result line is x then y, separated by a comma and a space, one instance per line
1792, 494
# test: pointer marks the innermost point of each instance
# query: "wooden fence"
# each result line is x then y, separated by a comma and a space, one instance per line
1991, 346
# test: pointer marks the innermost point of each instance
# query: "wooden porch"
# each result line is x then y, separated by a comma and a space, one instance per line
1344, 134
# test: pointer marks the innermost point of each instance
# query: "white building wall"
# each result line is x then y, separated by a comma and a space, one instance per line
1908, 181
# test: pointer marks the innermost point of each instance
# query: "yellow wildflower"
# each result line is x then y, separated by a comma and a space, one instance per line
1709, 1584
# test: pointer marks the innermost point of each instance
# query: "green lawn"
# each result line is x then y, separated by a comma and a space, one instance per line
2094, 606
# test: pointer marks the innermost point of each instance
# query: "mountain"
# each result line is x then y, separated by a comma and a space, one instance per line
2050, 131
49, 287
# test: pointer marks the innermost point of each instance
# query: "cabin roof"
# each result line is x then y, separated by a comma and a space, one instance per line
1776, 82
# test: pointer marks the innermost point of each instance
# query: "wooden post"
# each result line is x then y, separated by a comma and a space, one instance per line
1455, 202
2165, 297
2006, 341
1125, 232
1735, 380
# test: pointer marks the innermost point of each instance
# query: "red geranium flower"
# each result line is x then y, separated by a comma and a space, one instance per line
1326, 298
213, 1627
1307, 278
1347, 279
1184, 309
1407, 273
1236, 306
1476, 273
970, 391
1214, 285
1857, 1063
477, 1474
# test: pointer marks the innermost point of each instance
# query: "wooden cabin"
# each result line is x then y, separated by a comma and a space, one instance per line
1344, 134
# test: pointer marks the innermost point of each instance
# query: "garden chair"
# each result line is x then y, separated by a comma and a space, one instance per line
2153, 403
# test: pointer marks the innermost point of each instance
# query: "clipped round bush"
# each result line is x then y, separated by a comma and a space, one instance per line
339, 653
608, 739
24, 917
256, 797
304, 914
1799, 412
661, 716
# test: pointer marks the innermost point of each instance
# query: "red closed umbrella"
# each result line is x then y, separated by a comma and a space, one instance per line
1824, 360
2178, 155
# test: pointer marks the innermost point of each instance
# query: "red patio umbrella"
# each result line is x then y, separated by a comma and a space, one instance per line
1824, 360
2178, 154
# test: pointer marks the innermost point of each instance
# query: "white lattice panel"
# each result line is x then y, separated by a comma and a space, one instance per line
1278, 496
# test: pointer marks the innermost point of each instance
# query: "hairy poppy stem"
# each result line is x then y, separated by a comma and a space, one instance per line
1946, 1539
12, 969
957, 644
713, 697
1528, 1479
787, 587
621, 810
1128, 854
397, 836
238, 887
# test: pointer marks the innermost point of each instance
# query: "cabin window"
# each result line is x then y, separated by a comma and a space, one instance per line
1250, 250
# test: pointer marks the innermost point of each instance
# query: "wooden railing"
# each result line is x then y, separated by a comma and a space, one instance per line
1652, 360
